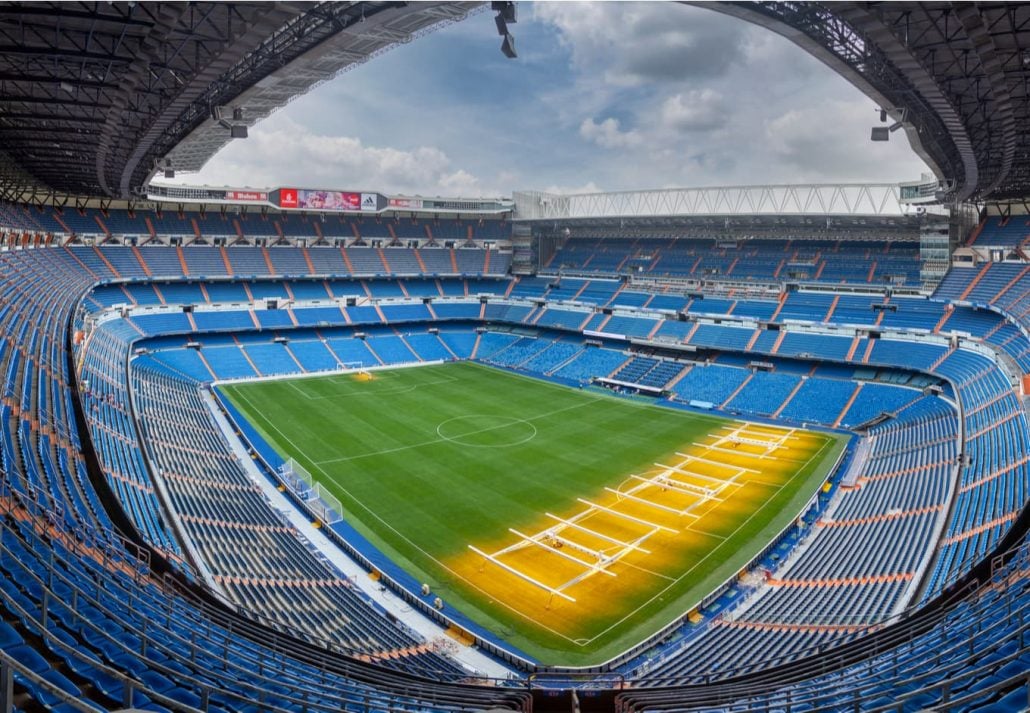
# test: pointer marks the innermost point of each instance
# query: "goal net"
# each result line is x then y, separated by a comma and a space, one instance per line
357, 368
326, 506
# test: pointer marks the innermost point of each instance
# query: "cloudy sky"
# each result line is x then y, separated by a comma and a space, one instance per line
603, 96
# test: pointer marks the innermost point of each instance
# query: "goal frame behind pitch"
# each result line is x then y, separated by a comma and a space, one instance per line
326, 506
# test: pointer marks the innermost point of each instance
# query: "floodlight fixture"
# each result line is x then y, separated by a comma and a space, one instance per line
164, 165
508, 47
506, 10
505, 13
236, 130
883, 133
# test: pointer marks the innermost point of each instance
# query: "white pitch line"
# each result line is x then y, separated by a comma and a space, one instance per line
444, 440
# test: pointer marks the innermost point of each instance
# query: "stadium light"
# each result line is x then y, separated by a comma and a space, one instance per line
236, 130
164, 165
506, 10
505, 13
508, 47
883, 133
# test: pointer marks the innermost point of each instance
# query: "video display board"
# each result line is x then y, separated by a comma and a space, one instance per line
328, 201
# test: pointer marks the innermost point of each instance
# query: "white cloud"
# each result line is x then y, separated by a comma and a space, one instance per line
459, 183
694, 110
608, 134
281, 151
616, 95
711, 100
831, 141
634, 43
588, 187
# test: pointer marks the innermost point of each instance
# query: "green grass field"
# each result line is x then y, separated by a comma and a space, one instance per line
429, 460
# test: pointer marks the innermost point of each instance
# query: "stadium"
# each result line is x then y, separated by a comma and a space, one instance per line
324, 448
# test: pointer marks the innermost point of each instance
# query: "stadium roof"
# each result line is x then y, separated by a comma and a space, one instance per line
93, 95
960, 71
864, 200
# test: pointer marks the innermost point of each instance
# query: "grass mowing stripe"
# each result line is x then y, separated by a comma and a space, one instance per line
423, 498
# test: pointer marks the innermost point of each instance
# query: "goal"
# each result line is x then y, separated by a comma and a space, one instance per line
323, 504
357, 368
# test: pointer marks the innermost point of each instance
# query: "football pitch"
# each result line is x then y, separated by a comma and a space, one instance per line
572, 523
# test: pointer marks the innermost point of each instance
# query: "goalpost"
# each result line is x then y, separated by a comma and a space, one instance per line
357, 368
326, 506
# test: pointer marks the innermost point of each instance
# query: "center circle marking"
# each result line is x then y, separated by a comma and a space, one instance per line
503, 431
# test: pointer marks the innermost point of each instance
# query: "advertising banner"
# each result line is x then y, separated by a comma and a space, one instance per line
328, 200
246, 196
406, 203
287, 197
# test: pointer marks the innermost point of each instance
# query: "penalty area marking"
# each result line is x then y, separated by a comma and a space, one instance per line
347, 378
